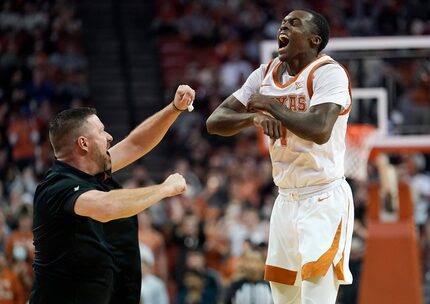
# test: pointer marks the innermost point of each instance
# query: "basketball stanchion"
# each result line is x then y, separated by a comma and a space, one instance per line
391, 269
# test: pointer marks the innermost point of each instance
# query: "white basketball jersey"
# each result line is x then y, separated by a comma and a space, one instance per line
298, 162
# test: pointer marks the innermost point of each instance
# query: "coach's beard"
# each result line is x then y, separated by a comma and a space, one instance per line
108, 162
103, 161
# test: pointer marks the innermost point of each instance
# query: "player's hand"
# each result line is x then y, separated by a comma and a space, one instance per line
175, 184
258, 102
184, 97
270, 126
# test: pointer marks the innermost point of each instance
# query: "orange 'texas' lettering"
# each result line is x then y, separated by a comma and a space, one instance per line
301, 107
296, 103
293, 102
281, 99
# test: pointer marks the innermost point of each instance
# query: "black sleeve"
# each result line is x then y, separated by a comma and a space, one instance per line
62, 195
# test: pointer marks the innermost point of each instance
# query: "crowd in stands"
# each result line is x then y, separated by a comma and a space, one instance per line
42, 70
208, 245
216, 47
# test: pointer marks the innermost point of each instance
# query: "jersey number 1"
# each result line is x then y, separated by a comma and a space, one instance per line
284, 137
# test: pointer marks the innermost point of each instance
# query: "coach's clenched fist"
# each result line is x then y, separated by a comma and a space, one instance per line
184, 97
175, 184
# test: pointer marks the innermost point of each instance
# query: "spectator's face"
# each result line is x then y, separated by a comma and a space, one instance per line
195, 260
99, 143
25, 223
294, 35
190, 225
250, 218
251, 265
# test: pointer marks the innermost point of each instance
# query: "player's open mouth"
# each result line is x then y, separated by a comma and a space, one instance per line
283, 40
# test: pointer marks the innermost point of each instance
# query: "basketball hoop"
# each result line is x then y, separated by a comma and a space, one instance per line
360, 139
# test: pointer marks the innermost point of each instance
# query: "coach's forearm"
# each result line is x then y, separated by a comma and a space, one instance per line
124, 203
121, 203
151, 131
143, 138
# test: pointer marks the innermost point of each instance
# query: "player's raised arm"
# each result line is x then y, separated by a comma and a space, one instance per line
150, 132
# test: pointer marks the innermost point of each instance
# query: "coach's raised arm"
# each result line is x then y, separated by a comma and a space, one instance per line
85, 226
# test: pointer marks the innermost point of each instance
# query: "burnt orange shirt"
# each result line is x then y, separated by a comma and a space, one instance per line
24, 239
11, 290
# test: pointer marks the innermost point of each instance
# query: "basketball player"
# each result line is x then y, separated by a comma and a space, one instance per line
301, 100
85, 227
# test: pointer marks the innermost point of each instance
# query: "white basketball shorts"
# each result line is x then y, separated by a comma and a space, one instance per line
310, 230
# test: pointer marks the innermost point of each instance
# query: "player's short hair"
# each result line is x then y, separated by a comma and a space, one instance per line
65, 123
321, 28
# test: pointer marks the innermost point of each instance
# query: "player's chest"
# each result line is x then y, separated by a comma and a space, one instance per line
288, 91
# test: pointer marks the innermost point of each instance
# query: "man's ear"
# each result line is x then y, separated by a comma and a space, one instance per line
82, 142
316, 40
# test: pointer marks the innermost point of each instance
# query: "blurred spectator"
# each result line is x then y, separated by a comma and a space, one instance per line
20, 192
349, 293
139, 178
11, 290
196, 25
415, 102
4, 231
217, 245
154, 240
65, 21
19, 244
19, 249
68, 60
246, 226
23, 135
166, 21
387, 21
187, 236
40, 89
249, 287
199, 284
24, 273
193, 290
413, 171
233, 72
153, 290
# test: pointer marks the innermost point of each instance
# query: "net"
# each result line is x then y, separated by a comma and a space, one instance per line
360, 139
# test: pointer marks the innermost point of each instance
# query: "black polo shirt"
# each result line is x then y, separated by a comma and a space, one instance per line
122, 236
74, 261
